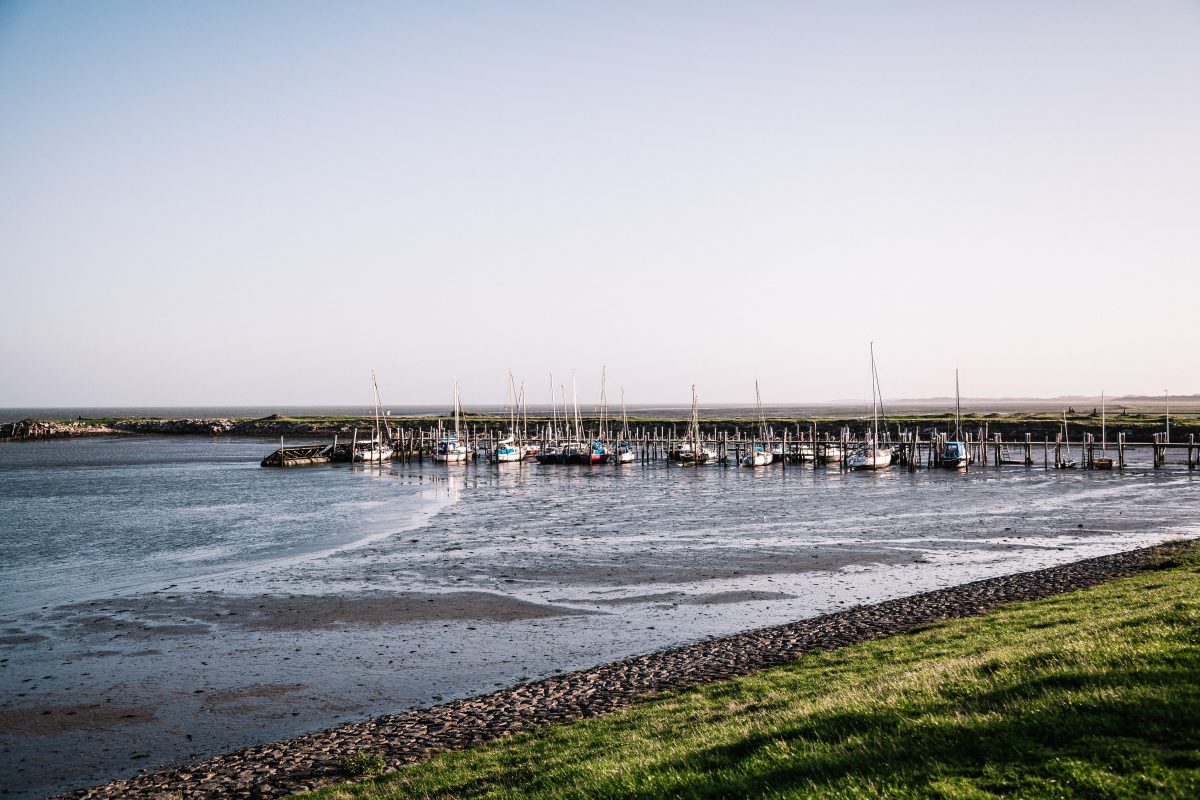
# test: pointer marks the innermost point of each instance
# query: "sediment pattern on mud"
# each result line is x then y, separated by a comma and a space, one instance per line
309, 761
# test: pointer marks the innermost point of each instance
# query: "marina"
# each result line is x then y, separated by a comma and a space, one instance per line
731, 444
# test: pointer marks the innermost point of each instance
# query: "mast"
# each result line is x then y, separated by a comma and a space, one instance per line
762, 417
567, 431
1167, 401
874, 405
1103, 426
575, 402
375, 384
624, 418
456, 407
603, 405
694, 433
524, 414
553, 411
511, 393
957, 410
1066, 435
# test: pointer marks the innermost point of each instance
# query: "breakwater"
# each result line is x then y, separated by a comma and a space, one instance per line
305, 762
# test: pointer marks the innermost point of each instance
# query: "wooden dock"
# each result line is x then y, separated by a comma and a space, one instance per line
299, 456
794, 444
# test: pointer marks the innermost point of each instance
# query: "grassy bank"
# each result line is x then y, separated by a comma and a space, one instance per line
1090, 694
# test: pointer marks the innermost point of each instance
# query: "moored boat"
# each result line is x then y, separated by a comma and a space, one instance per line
871, 455
757, 457
871, 458
954, 454
506, 450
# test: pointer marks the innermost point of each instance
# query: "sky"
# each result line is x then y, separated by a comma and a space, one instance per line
259, 203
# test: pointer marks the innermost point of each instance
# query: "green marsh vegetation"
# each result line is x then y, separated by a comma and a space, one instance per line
1093, 694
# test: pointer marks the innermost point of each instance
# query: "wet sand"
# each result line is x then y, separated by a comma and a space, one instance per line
103, 688
306, 762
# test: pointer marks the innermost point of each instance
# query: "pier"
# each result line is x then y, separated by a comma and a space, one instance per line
792, 444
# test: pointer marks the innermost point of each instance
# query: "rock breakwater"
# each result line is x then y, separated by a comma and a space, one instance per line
279, 769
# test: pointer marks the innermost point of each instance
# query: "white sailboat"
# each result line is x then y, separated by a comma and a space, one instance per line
375, 450
871, 455
1064, 459
692, 450
759, 455
449, 449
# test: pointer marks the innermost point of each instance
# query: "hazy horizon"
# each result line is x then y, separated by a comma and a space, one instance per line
213, 204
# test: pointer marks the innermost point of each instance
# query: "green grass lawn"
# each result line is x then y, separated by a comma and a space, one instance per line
1095, 694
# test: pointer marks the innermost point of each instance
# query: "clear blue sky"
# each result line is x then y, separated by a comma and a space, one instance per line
208, 203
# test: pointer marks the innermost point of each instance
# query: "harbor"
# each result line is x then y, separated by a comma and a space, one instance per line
789, 443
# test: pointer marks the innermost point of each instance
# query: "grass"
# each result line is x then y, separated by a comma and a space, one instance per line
1094, 694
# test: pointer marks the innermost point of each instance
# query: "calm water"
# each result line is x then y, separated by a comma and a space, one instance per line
176, 580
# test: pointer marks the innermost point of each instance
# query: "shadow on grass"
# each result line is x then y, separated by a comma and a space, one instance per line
1117, 743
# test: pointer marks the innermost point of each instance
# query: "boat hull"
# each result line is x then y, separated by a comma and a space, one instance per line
870, 459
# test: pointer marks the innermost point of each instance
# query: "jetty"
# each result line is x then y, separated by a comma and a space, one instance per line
793, 443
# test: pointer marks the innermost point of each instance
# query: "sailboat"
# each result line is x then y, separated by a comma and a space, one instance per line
507, 449
1104, 462
375, 449
624, 452
954, 451
692, 450
759, 456
1065, 461
872, 456
449, 448
596, 452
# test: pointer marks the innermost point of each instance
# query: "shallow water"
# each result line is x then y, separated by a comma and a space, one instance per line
215, 604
